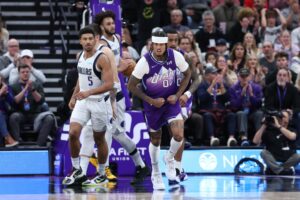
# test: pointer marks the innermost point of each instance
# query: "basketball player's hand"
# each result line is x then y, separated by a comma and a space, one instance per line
82, 95
159, 102
172, 99
183, 99
72, 103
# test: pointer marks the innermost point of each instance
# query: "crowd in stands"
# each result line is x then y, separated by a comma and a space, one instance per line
23, 108
246, 55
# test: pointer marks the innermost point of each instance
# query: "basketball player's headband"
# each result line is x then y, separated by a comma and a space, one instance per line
159, 40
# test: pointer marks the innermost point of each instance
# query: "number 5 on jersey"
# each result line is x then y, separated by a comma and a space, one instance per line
90, 80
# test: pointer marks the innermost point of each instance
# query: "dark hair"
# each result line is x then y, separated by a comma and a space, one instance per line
271, 13
282, 54
22, 66
210, 53
101, 16
95, 28
86, 30
159, 33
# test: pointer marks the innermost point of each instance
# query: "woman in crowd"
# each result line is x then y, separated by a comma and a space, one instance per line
256, 73
230, 77
238, 57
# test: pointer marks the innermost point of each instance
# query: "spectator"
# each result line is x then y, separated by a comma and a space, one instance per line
133, 53
267, 62
257, 75
11, 72
295, 66
249, 43
146, 48
269, 30
185, 44
166, 16
238, 56
281, 63
230, 77
245, 100
286, 45
207, 35
176, 20
241, 27
281, 94
29, 98
195, 45
295, 35
222, 48
292, 14
12, 55
211, 58
6, 101
226, 15
213, 96
280, 149
4, 35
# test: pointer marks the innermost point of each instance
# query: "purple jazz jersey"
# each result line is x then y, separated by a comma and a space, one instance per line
160, 82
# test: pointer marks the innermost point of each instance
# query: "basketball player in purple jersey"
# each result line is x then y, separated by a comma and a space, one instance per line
160, 94
185, 100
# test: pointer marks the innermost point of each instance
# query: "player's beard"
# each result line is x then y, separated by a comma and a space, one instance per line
110, 33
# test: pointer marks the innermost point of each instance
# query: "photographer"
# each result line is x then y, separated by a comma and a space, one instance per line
280, 143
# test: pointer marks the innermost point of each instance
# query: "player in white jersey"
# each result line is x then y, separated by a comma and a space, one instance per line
90, 100
117, 131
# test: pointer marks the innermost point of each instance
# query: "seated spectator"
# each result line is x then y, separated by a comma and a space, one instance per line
230, 77
6, 101
281, 63
280, 152
176, 20
257, 75
238, 57
213, 97
245, 100
195, 45
12, 54
267, 61
207, 35
211, 58
222, 49
11, 72
4, 35
285, 45
269, 30
133, 53
29, 98
249, 43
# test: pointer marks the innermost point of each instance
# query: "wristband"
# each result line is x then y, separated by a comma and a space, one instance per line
188, 94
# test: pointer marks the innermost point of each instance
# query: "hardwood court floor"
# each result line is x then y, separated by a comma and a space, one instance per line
196, 187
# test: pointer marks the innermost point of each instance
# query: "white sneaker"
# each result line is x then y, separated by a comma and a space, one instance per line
157, 181
170, 168
231, 142
214, 141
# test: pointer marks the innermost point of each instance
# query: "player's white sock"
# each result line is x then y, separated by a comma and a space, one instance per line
101, 169
178, 165
174, 146
84, 163
154, 155
75, 162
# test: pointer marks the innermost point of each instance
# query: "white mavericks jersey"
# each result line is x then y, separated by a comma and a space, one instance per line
114, 46
88, 75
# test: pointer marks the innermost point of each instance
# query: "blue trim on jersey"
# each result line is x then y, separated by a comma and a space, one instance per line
97, 73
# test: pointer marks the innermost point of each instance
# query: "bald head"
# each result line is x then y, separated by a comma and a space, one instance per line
13, 47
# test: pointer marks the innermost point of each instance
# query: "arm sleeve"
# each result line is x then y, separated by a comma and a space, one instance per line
5, 72
180, 61
13, 76
141, 68
39, 75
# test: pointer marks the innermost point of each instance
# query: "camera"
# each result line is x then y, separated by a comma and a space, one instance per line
269, 114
